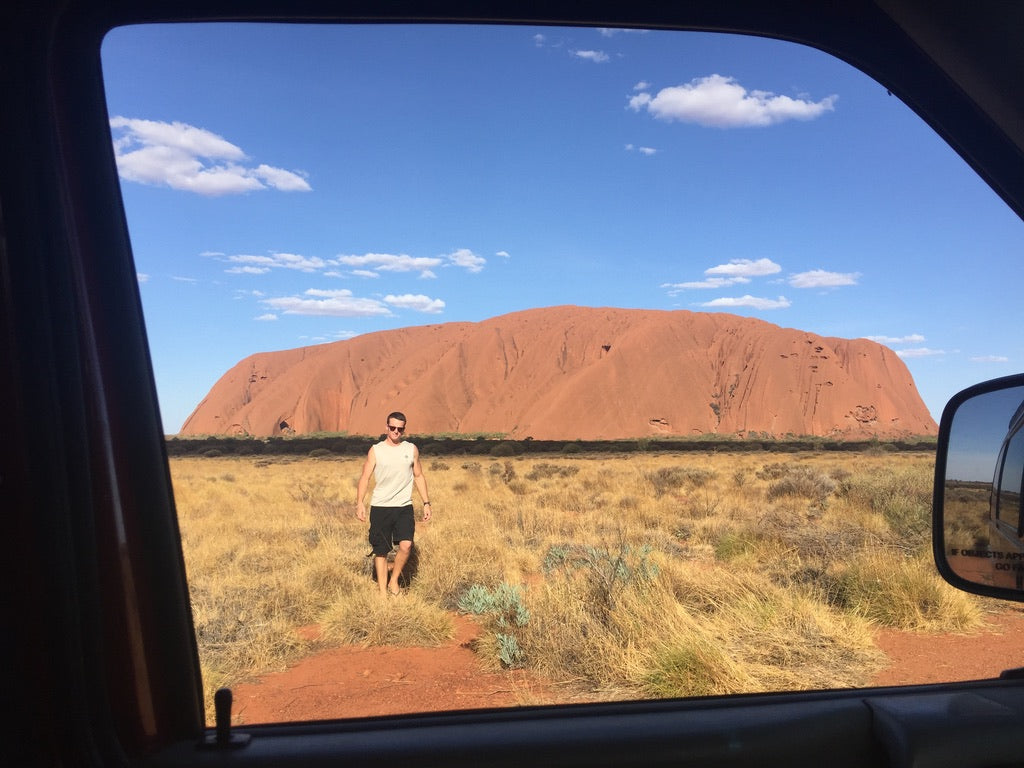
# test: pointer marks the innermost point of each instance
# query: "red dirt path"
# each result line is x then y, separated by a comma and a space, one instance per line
353, 681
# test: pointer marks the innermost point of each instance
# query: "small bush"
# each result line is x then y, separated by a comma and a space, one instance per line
906, 593
509, 652
504, 603
545, 471
802, 482
671, 479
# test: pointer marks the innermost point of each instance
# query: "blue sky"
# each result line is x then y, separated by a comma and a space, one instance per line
295, 185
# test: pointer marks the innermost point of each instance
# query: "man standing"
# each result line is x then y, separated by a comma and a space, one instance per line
395, 465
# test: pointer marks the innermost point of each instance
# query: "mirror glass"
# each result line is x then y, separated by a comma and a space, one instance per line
982, 541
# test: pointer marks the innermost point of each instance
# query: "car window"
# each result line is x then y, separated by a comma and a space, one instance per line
469, 219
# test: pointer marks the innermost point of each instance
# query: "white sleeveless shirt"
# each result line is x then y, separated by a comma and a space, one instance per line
393, 474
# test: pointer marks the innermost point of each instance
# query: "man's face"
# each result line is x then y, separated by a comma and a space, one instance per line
396, 428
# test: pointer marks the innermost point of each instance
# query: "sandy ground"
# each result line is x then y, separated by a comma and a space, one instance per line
353, 681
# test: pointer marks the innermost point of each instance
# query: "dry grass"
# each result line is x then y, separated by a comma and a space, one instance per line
647, 575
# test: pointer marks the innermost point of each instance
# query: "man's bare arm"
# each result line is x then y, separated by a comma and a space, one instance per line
364, 482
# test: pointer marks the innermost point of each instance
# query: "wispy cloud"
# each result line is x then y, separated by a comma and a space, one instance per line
819, 278
142, 277
920, 352
990, 359
712, 283
745, 268
753, 302
336, 303
181, 156
716, 101
642, 150
390, 262
466, 259
418, 302
598, 57
912, 338
503, 254
254, 264
613, 31
735, 272
270, 317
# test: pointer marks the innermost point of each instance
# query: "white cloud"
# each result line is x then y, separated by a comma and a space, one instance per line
181, 279
418, 302
503, 254
749, 301
913, 338
612, 31
990, 359
338, 303
247, 270
538, 40
142, 277
819, 278
642, 150
389, 262
365, 273
920, 352
192, 159
699, 285
720, 102
745, 268
276, 261
643, 85
267, 318
598, 57
466, 259
278, 178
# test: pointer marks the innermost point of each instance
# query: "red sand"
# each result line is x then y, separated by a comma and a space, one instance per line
353, 681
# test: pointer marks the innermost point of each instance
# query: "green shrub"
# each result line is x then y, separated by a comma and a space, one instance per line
504, 604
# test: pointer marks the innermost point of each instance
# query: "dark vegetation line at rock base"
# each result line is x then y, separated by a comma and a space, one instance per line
325, 446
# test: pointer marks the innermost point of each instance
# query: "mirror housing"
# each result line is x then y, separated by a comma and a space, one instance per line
977, 519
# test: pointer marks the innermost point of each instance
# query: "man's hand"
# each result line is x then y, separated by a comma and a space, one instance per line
426, 512
361, 512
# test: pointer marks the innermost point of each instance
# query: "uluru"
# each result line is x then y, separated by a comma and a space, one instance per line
568, 373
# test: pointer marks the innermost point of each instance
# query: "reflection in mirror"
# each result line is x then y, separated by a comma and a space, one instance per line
982, 541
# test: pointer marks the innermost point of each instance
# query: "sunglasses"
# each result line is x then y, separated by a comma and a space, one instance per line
393, 428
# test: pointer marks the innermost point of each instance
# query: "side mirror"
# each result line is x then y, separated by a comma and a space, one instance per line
977, 521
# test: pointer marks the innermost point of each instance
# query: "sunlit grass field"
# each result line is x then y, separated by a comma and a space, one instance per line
620, 577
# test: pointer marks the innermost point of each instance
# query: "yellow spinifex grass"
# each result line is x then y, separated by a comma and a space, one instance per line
641, 574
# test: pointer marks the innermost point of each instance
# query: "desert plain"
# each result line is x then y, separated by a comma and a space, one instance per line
600, 576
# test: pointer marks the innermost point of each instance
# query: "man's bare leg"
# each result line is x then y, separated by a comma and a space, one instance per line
401, 557
380, 567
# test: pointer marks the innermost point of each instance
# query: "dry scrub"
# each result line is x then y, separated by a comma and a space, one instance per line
636, 576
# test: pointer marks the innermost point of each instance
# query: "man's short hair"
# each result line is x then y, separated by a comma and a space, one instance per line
397, 415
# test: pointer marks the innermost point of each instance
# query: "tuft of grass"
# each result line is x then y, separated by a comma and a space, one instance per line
368, 619
892, 590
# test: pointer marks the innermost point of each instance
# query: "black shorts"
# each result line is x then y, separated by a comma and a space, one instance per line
389, 525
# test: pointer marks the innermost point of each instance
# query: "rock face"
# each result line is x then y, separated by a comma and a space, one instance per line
575, 373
